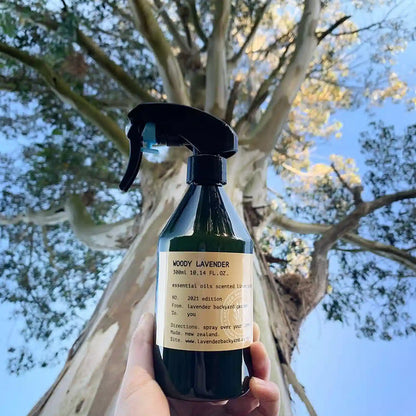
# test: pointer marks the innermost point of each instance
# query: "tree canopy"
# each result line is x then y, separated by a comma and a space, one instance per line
279, 71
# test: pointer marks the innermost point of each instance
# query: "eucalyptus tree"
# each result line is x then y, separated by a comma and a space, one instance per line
276, 71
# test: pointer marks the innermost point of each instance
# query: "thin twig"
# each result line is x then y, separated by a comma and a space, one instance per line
197, 24
259, 15
355, 191
232, 99
299, 389
322, 35
172, 27
263, 91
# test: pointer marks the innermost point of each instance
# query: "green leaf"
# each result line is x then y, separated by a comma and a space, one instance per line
8, 24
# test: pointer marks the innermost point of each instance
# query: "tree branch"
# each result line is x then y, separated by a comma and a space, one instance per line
232, 99
116, 236
390, 252
216, 81
263, 91
197, 23
318, 271
355, 191
322, 35
116, 72
362, 29
259, 15
299, 389
179, 39
389, 199
267, 131
183, 13
48, 217
169, 69
129, 84
104, 123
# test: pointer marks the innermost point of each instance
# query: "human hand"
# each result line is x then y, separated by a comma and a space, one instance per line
140, 395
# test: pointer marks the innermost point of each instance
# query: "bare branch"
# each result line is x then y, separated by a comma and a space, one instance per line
130, 85
263, 91
267, 131
390, 252
116, 72
184, 13
272, 259
259, 16
352, 32
299, 389
355, 191
278, 42
389, 199
384, 250
179, 39
339, 22
232, 99
362, 29
216, 82
58, 85
114, 236
197, 23
52, 216
351, 221
318, 271
169, 68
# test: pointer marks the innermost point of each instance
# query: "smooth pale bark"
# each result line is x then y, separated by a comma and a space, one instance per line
217, 78
264, 134
48, 217
98, 237
112, 236
173, 80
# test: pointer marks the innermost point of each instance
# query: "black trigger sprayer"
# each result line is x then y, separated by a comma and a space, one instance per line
210, 139
204, 289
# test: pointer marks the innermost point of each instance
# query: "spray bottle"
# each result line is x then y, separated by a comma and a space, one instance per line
204, 294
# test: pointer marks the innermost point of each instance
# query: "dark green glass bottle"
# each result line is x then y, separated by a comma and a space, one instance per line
204, 294
204, 221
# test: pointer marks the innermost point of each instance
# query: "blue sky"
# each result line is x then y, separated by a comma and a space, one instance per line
343, 375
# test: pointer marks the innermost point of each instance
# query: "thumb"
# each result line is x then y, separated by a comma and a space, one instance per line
140, 395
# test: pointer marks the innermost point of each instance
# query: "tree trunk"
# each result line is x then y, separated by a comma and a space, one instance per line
89, 382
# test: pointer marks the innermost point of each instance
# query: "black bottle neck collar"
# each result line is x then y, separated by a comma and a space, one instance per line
206, 169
